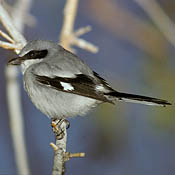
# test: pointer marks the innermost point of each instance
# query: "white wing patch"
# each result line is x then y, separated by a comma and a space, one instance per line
100, 87
67, 86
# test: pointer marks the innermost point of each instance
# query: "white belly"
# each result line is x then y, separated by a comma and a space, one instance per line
57, 104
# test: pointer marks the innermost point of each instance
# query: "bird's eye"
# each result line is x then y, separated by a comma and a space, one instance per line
31, 54
37, 54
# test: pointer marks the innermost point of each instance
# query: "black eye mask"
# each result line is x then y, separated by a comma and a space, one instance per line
34, 54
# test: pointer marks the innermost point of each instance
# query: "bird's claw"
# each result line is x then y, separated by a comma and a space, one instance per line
56, 127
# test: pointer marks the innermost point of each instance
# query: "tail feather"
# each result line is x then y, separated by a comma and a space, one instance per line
139, 99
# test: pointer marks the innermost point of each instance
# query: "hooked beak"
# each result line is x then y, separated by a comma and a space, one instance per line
16, 61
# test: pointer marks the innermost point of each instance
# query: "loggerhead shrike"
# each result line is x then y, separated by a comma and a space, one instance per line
61, 85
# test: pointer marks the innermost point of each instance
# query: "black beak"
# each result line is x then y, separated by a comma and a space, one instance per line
16, 61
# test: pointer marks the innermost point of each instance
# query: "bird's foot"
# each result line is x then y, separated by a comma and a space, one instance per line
57, 127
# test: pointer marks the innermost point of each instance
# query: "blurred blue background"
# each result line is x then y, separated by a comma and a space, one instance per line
135, 57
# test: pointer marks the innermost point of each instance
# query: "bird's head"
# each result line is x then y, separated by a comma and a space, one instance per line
35, 51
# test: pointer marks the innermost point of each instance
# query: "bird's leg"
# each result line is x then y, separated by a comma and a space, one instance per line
56, 127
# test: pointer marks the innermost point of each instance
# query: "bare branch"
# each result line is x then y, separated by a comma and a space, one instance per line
10, 27
84, 45
7, 37
82, 31
59, 148
73, 155
70, 11
10, 46
30, 20
20, 12
159, 17
68, 36
13, 92
53, 146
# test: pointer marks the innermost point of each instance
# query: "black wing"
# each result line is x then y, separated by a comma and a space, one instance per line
83, 85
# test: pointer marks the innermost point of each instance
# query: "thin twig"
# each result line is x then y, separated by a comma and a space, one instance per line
82, 31
70, 11
73, 155
13, 91
85, 45
68, 36
20, 12
30, 20
10, 27
9, 46
6, 36
160, 18
53, 146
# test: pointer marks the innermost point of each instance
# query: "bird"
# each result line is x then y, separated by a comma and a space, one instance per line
61, 85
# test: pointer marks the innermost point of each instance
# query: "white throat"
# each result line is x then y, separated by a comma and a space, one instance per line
28, 63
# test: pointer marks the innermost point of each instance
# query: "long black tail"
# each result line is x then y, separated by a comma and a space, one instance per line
139, 99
